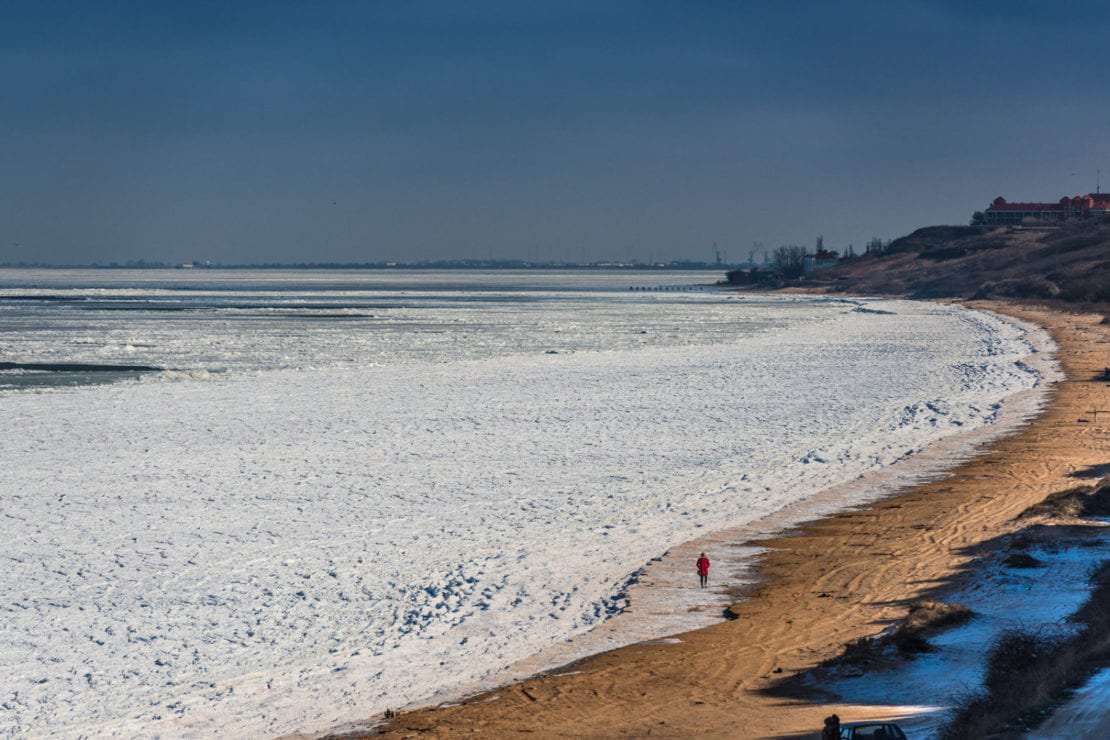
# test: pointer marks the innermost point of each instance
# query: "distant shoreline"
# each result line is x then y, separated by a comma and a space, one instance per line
444, 265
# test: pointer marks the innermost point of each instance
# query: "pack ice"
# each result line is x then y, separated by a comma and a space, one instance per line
288, 550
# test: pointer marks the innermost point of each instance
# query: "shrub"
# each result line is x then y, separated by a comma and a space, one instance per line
1016, 653
1026, 287
935, 615
1092, 288
1026, 672
908, 638
1074, 502
1022, 673
1022, 560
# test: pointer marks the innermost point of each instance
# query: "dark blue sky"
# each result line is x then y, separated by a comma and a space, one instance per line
361, 131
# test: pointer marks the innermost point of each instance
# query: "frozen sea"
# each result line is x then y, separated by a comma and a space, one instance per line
336, 492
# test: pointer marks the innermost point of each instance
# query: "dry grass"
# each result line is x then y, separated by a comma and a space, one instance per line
1081, 501
1028, 673
908, 638
1022, 560
930, 616
1069, 264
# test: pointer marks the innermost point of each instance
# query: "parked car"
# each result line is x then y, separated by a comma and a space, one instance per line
871, 731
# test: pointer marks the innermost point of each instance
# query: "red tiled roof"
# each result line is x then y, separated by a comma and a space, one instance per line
1025, 207
1090, 200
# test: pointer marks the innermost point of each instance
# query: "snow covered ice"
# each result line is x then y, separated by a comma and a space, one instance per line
366, 514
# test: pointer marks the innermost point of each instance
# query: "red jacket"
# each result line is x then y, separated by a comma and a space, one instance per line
703, 566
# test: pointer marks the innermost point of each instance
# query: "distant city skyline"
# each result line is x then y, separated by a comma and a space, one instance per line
344, 132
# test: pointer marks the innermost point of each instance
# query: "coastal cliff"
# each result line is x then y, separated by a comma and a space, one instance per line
1068, 264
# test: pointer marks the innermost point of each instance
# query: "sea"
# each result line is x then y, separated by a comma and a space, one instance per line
258, 502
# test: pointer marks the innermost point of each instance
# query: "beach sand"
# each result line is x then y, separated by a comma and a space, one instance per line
822, 585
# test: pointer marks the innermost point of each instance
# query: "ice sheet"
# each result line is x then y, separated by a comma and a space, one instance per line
292, 549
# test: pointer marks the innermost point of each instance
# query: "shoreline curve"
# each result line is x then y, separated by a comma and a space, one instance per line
565, 693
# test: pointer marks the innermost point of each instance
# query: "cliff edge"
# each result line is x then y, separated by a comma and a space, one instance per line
1069, 264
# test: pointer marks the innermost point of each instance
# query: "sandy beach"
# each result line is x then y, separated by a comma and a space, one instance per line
827, 583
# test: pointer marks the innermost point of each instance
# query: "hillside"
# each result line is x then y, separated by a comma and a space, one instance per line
1065, 264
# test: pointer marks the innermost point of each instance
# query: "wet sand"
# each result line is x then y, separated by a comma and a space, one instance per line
824, 584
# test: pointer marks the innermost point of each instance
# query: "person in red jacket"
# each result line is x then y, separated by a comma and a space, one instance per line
703, 569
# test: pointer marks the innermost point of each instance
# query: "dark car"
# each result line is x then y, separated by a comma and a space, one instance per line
871, 731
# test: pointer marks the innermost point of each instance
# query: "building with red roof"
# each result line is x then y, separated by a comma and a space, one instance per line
1076, 208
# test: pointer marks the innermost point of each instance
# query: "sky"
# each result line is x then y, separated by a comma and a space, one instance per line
291, 132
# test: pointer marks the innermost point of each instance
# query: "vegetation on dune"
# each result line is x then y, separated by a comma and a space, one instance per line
1029, 672
1069, 263
906, 639
1080, 501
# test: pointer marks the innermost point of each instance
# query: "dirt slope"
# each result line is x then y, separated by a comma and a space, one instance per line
1068, 264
